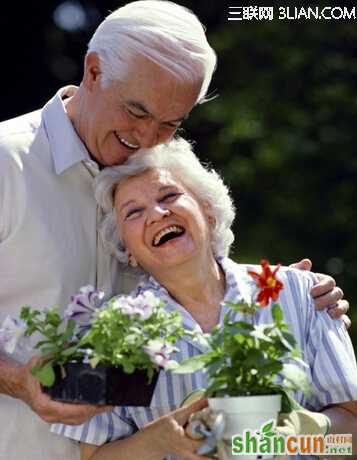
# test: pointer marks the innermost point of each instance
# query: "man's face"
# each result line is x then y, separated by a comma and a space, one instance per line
140, 112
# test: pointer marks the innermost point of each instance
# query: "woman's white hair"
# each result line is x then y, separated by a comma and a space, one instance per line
177, 157
166, 33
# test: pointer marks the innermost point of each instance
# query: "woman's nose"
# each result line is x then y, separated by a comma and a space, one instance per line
157, 213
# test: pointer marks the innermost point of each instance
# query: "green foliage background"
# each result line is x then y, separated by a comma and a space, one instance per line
282, 129
282, 132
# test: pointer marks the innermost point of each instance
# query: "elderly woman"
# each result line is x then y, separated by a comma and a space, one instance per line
171, 217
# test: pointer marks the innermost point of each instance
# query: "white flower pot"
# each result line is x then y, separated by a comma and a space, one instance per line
246, 412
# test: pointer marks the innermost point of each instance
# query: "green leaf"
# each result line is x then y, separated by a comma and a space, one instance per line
194, 364
297, 377
288, 403
283, 341
242, 307
270, 368
45, 374
297, 359
69, 351
259, 333
277, 313
94, 361
67, 335
47, 349
128, 367
239, 325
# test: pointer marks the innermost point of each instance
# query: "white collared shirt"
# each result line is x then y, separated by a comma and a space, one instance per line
49, 246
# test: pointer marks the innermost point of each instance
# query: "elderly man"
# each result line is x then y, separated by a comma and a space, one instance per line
146, 67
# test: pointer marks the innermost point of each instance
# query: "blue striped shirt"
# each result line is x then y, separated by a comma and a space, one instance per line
325, 344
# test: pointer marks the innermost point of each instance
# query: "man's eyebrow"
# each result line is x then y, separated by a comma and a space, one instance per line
139, 106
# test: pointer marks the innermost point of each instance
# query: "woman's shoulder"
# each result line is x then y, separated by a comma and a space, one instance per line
297, 283
289, 274
146, 283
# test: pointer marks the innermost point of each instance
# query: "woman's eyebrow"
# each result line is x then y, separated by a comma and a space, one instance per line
126, 204
165, 187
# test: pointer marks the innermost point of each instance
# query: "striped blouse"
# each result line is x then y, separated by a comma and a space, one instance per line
325, 344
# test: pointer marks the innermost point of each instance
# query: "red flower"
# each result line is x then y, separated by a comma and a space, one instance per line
267, 282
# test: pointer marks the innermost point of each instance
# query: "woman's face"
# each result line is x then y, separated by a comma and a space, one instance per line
160, 221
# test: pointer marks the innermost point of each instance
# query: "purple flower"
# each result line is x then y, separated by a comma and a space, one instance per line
83, 305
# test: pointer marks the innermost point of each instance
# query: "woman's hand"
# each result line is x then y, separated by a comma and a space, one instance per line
168, 433
158, 439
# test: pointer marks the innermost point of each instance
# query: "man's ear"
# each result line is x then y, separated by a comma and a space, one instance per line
92, 71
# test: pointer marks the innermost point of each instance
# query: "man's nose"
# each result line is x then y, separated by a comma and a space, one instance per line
148, 133
157, 213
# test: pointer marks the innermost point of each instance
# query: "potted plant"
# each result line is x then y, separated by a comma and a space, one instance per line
251, 367
99, 353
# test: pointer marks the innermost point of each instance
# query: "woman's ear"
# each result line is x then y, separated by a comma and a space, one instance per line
207, 209
211, 221
132, 261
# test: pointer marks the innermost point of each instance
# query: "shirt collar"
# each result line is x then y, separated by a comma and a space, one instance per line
238, 289
234, 292
66, 146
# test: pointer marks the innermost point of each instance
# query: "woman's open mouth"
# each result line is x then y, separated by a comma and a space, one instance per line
167, 234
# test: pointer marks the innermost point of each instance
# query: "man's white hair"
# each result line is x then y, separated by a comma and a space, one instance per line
166, 33
177, 157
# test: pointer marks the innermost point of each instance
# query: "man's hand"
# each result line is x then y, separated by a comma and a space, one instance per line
29, 390
326, 294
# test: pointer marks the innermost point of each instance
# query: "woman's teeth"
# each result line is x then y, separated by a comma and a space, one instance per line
165, 231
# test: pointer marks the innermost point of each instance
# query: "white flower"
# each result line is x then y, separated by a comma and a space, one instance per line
159, 353
124, 305
154, 346
12, 334
200, 337
151, 299
143, 305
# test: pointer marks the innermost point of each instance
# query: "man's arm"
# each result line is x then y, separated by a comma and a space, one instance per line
16, 381
326, 294
9, 376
